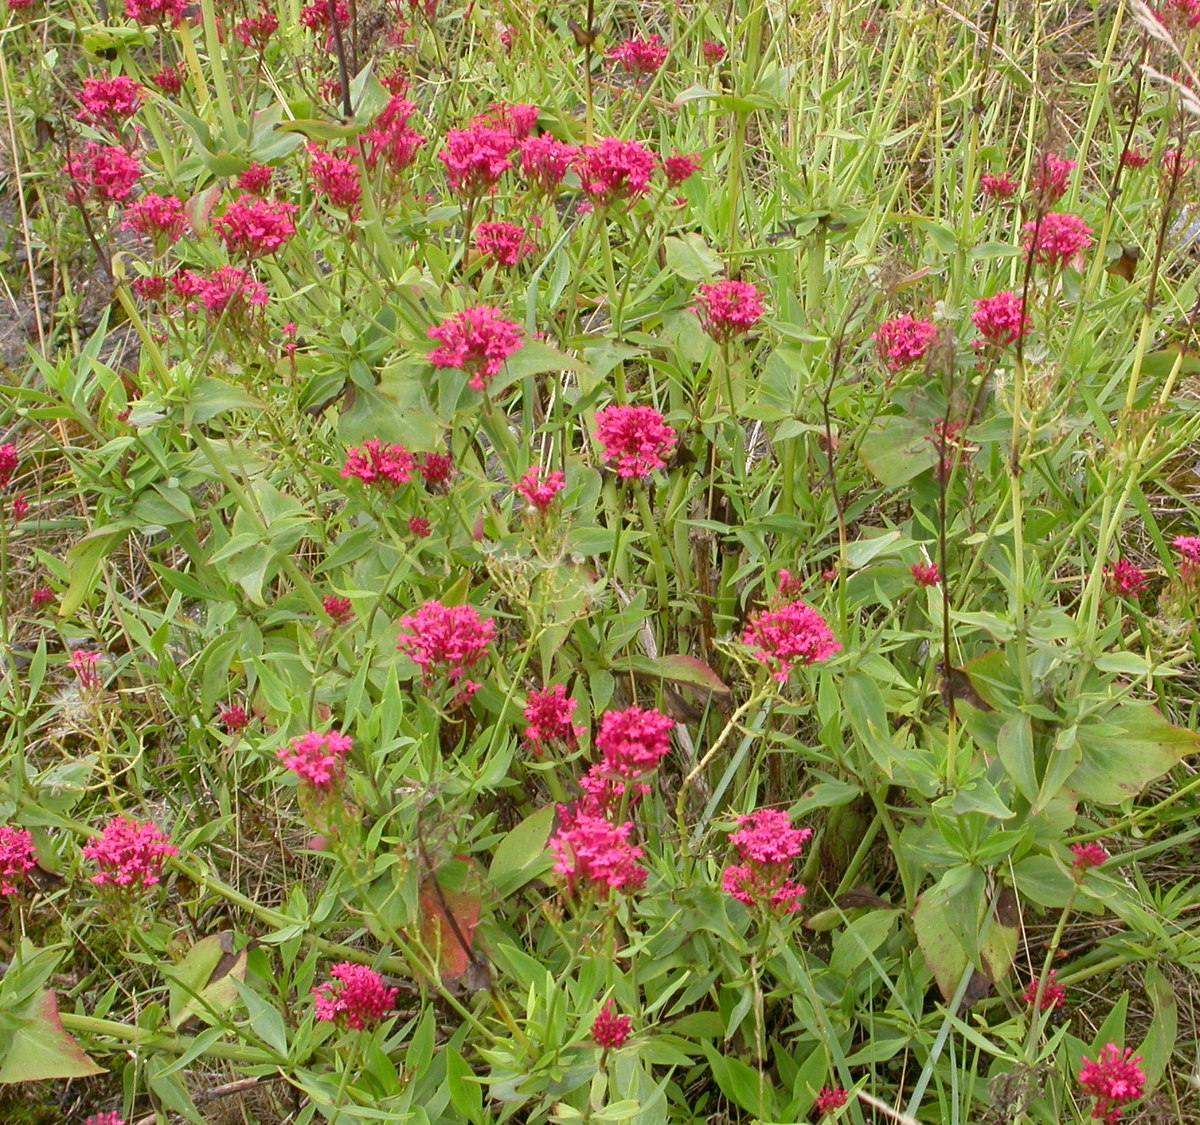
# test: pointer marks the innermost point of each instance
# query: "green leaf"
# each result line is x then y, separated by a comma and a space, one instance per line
1124, 750
681, 669
896, 450
1159, 1045
691, 258
868, 720
521, 855
40, 1048
738, 1082
201, 985
84, 562
397, 410
862, 551
213, 396
465, 1091
1014, 744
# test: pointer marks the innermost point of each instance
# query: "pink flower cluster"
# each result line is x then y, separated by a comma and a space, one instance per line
109, 101
226, 291
104, 172
476, 158
83, 664
829, 1100
926, 574
680, 167
793, 635
253, 228
319, 760
540, 488
549, 714
1050, 175
389, 140
591, 851
9, 460
1088, 856
544, 161
614, 171
507, 243
767, 846
633, 742
256, 31
1002, 186
641, 56
155, 11
1124, 578
17, 856
634, 438
477, 341
1053, 995
728, 309
903, 341
609, 1030
129, 853
354, 997
339, 610
447, 639
1114, 1079
113, 1118
1001, 319
1055, 239
379, 464
335, 176
158, 217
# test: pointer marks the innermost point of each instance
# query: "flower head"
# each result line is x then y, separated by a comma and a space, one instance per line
42, 595
233, 719
477, 341
1087, 856
1114, 1079
112, 1118
335, 176
1188, 546
339, 609
829, 1100
17, 856
728, 308
903, 341
634, 741
1124, 578
128, 853
354, 997
390, 140
476, 158
378, 464
317, 759
255, 180
437, 470
767, 846
507, 243
1055, 239
544, 161
1053, 994
157, 217
446, 639
168, 80
253, 228
9, 460
614, 170
549, 715
315, 16
795, 634
609, 1030
256, 31
679, 167
926, 574
1050, 175
712, 51
419, 527
1001, 319
227, 288
108, 101
1134, 158
1002, 186
83, 664
593, 853
634, 438
155, 11
540, 488
641, 56
105, 172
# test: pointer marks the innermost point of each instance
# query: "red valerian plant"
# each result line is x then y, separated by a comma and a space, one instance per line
767, 846
104, 172
549, 715
317, 759
335, 176
636, 439
592, 853
109, 101
447, 639
378, 464
17, 856
1087, 856
476, 158
476, 341
1114, 1079
9, 460
634, 741
1001, 319
1124, 578
355, 997
544, 162
507, 243
128, 853
156, 217
641, 56
1001, 186
609, 1030
793, 635
728, 309
903, 341
254, 228
829, 1100
1056, 239
614, 170
541, 488
1053, 995
926, 574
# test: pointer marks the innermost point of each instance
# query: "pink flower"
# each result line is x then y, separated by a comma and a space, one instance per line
518, 120
112, 1118
152, 288
634, 438
603, 796
795, 634
447, 639
712, 51
256, 31
1000, 319
1188, 546
42, 595
829, 1100
317, 759
595, 853
9, 460
767, 846
105, 172
790, 585
1053, 994
255, 180
1050, 175
544, 161
1175, 166
376, 463
315, 16
20, 508
1134, 158
234, 719
679, 167
1056, 239
1114, 1079
129, 853
609, 1030
227, 288
506, 242
17, 856
997, 187
155, 11
390, 140
540, 488
108, 101
1087, 856
157, 217
167, 79
437, 470
419, 527
254, 228
476, 158
615, 170
1124, 578
903, 341
634, 741
336, 176
339, 609
728, 308
641, 56
83, 664
477, 341
354, 997
549, 715
926, 574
